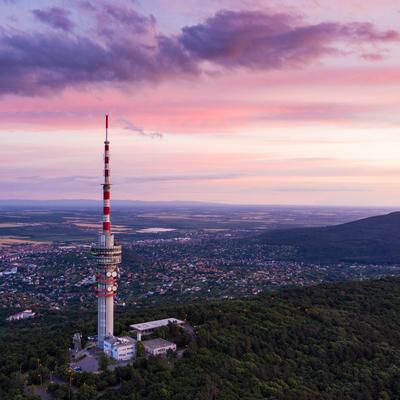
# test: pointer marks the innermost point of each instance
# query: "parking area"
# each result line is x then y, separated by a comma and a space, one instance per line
89, 363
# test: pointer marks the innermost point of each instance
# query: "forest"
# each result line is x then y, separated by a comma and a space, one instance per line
332, 341
369, 240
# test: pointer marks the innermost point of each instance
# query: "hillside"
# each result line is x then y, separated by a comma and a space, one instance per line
374, 239
320, 343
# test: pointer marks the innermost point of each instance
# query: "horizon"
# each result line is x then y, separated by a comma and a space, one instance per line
98, 202
231, 102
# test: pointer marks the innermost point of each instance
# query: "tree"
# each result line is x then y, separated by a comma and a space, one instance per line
103, 362
140, 350
87, 392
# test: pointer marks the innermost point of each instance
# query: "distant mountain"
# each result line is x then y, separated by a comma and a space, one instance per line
374, 239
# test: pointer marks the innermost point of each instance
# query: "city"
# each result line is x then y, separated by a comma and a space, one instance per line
162, 270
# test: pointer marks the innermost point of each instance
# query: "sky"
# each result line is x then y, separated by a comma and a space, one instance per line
234, 101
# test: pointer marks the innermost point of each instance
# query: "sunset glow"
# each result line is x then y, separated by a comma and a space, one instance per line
256, 102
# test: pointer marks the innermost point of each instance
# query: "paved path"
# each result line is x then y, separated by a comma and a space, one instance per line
38, 391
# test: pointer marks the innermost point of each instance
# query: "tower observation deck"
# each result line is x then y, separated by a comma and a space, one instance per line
108, 255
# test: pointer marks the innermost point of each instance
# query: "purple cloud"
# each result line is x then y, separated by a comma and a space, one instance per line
117, 21
36, 64
260, 40
56, 17
130, 49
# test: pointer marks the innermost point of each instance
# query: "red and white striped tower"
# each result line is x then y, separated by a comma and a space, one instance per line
106, 185
108, 256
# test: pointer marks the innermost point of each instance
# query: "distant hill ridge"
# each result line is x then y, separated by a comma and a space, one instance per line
88, 203
373, 239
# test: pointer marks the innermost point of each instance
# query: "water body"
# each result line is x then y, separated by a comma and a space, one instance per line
155, 230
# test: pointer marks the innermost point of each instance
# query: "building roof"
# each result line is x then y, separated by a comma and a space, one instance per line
154, 344
144, 326
116, 341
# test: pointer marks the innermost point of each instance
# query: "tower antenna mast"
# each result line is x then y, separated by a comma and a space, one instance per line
108, 255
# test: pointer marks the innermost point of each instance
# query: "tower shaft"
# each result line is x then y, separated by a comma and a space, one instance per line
108, 255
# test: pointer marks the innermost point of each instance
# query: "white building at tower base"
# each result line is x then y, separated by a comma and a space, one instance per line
120, 348
148, 328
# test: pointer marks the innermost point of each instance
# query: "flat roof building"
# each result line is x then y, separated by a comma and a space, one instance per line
120, 348
21, 315
147, 328
158, 347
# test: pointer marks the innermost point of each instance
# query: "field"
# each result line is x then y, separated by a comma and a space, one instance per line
76, 222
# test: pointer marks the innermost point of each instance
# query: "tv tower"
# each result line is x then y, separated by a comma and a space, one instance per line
108, 255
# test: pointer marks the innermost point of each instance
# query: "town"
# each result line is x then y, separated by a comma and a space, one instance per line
160, 270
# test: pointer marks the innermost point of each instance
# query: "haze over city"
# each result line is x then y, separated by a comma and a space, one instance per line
255, 102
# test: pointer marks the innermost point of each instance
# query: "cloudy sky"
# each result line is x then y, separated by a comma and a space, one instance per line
238, 101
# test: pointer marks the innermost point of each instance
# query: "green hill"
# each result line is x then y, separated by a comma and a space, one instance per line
325, 342
374, 239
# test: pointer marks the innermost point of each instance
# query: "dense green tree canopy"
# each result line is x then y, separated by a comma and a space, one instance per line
325, 342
